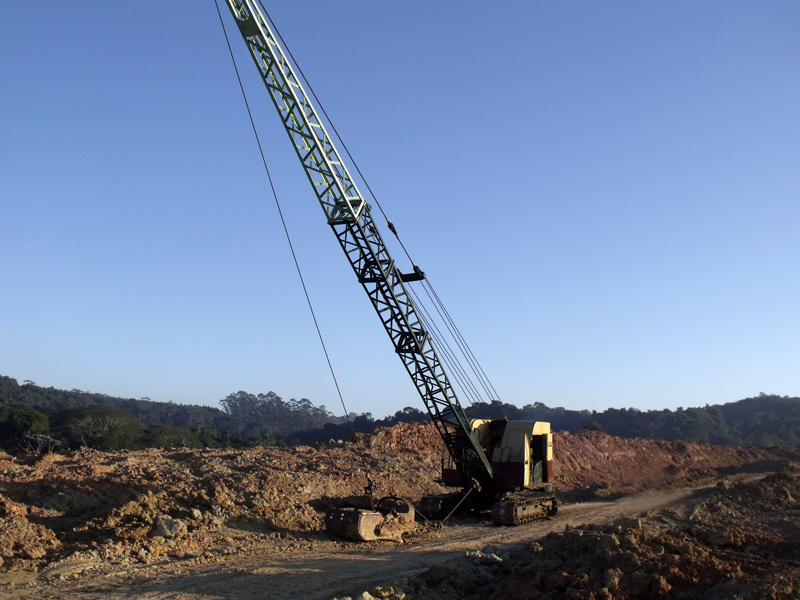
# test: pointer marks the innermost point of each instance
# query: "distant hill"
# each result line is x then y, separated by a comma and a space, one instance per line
77, 418
48, 400
767, 420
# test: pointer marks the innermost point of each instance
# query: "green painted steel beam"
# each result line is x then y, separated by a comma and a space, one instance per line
349, 215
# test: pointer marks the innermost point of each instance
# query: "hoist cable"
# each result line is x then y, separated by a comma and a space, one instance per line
476, 368
431, 325
448, 356
450, 360
460, 342
467, 383
460, 377
283, 221
339, 137
468, 351
344, 145
468, 354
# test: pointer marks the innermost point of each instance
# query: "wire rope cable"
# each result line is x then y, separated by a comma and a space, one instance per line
453, 330
466, 384
453, 362
439, 306
463, 340
482, 403
322, 108
283, 222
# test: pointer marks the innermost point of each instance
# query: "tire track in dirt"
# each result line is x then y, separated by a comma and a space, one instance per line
325, 574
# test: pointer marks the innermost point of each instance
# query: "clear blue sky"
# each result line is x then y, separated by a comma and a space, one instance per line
606, 195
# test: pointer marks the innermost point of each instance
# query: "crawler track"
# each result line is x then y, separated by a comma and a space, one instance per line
522, 510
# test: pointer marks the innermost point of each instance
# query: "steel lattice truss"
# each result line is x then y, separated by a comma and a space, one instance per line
350, 217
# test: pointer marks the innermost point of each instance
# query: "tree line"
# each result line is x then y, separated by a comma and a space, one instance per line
33, 418
765, 420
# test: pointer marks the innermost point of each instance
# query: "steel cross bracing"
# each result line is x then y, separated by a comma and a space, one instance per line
350, 217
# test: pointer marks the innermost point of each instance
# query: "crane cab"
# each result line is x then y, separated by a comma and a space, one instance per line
520, 453
524, 457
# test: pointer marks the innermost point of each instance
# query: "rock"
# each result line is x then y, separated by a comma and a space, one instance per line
659, 586
33, 552
628, 523
657, 549
167, 527
612, 583
482, 558
21, 539
609, 542
719, 539
639, 583
222, 496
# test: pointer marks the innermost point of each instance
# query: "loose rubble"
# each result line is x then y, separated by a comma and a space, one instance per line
735, 541
64, 516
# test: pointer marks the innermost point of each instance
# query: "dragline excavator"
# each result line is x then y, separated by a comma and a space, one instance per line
498, 465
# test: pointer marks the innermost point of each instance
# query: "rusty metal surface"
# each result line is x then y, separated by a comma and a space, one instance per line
392, 518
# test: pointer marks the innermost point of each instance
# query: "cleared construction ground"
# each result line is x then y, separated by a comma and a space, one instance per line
228, 523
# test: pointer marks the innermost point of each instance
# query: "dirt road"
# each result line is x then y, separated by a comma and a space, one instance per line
280, 572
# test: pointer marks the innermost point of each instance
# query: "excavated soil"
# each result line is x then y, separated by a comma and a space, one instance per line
734, 541
89, 524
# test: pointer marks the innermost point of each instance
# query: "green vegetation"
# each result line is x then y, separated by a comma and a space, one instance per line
101, 427
593, 426
20, 421
33, 418
251, 417
767, 420
40, 419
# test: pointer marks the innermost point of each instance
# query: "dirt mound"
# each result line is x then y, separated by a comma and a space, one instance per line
156, 505
736, 541
408, 437
601, 463
122, 502
22, 540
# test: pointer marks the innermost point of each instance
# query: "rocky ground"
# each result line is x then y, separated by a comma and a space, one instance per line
734, 541
63, 518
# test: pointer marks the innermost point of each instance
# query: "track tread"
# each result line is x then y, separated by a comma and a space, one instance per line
532, 518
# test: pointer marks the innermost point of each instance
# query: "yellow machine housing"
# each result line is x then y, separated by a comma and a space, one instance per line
520, 452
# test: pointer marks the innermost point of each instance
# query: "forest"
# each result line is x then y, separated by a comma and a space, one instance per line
38, 419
